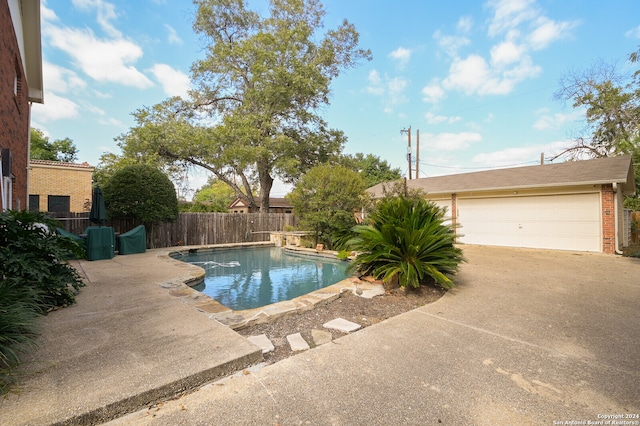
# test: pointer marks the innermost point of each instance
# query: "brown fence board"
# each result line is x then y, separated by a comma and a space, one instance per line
194, 228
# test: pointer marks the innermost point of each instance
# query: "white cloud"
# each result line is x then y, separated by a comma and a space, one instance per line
451, 141
467, 75
46, 14
506, 53
105, 13
391, 88
101, 95
438, 119
173, 36
554, 121
522, 27
173, 81
113, 122
94, 109
465, 24
474, 76
519, 155
396, 87
548, 31
433, 92
375, 83
450, 44
55, 108
401, 55
101, 59
633, 32
509, 14
60, 80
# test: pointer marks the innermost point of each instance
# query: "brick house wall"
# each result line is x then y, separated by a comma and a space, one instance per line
608, 219
14, 108
61, 179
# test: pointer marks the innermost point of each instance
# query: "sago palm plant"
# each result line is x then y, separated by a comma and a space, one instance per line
405, 240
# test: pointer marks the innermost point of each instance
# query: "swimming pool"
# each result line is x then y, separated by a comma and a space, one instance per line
252, 277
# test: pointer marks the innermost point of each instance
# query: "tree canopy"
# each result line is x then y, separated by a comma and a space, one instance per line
215, 196
611, 101
372, 169
59, 150
253, 113
325, 200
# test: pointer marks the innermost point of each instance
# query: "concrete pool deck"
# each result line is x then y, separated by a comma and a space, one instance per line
137, 335
528, 337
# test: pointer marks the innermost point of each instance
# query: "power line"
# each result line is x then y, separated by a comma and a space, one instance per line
479, 168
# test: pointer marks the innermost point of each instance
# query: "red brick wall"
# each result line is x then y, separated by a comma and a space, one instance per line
608, 220
454, 209
14, 110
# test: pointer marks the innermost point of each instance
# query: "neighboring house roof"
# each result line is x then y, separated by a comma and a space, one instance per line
84, 165
600, 171
280, 202
273, 203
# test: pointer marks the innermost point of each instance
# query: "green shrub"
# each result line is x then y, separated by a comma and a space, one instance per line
406, 241
325, 199
19, 310
143, 192
33, 279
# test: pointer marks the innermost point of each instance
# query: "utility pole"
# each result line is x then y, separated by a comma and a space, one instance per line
408, 132
418, 154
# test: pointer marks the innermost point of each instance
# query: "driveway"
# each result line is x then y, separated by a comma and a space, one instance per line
527, 337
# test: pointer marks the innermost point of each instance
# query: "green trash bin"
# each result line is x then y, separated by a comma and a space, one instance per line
101, 242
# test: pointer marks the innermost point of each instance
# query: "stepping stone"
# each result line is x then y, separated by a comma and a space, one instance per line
263, 342
341, 324
321, 337
369, 293
297, 342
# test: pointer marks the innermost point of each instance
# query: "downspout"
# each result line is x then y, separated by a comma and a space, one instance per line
614, 186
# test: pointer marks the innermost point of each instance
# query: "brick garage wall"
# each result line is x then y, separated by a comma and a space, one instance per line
56, 178
14, 110
608, 219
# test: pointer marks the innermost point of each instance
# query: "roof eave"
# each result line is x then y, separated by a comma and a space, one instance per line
33, 50
512, 187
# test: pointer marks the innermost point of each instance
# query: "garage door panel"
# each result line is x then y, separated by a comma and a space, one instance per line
569, 222
446, 204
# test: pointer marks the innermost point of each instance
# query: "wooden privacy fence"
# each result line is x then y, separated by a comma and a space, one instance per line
635, 233
194, 228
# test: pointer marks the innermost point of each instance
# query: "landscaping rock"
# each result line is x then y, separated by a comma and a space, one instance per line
320, 337
341, 324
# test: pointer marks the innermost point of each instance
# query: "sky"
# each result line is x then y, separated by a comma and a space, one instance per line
476, 79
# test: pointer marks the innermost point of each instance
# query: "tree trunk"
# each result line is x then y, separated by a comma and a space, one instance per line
266, 182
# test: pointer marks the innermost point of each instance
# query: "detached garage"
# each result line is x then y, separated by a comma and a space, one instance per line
576, 205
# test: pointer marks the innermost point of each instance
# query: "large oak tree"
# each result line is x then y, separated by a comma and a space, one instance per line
611, 101
253, 114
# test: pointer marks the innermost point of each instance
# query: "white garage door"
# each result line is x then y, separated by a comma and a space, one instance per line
566, 222
447, 205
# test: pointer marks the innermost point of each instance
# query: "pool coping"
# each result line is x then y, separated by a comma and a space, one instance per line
245, 318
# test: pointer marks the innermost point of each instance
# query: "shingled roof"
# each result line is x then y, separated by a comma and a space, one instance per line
571, 173
84, 165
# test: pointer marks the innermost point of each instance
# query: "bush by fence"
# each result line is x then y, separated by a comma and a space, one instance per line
194, 228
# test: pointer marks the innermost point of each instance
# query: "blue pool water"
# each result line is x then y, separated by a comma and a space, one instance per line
249, 278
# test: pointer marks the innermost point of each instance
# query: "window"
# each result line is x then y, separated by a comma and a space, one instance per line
34, 203
5, 179
59, 203
17, 80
